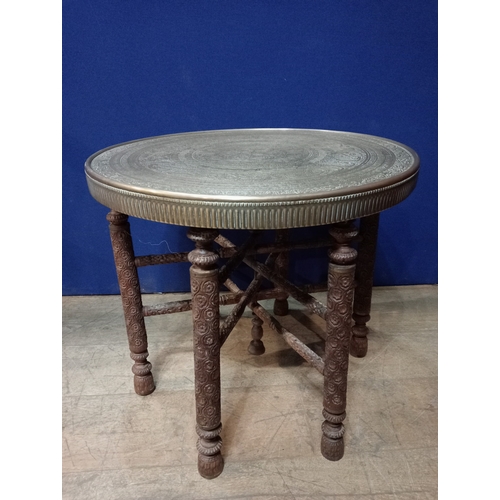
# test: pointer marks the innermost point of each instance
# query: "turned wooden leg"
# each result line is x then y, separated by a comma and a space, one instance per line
130, 291
256, 345
206, 344
281, 266
338, 331
364, 278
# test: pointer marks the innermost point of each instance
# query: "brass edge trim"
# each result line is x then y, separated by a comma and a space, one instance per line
252, 215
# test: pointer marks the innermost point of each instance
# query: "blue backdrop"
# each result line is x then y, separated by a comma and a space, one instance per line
135, 69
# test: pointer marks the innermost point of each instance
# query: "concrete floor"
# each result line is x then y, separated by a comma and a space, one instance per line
117, 445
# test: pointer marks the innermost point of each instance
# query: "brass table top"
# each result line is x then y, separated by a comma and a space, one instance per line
253, 178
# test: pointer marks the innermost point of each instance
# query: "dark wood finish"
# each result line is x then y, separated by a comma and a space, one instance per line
130, 291
281, 303
236, 259
224, 299
266, 248
364, 284
341, 271
256, 346
234, 316
209, 334
297, 345
167, 308
155, 260
313, 304
307, 300
206, 343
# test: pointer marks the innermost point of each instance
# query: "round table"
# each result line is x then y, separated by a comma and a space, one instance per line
254, 179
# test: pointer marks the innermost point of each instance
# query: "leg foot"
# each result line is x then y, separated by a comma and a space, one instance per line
280, 307
256, 346
332, 440
210, 467
143, 379
210, 461
359, 342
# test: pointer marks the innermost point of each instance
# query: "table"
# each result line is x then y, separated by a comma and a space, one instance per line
255, 180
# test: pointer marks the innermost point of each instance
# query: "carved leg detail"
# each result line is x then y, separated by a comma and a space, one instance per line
364, 278
206, 343
256, 345
281, 303
338, 331
130, 291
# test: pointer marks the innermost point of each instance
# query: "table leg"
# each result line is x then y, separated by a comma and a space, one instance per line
130, 291
281, 266
206, 343
256, 346
364, 278
340, 293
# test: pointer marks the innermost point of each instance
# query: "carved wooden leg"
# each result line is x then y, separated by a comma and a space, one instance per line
364, 278
256, 345
338, 331
281, 266
206, 343
128, 281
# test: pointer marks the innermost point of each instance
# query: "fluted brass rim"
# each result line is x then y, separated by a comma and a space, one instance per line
230, 215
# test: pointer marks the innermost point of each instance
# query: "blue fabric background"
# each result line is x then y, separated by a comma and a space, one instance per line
135, 69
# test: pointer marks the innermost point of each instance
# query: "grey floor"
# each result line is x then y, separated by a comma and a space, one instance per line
117, 445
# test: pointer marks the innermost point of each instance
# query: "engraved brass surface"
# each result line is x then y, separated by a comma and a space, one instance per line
253, 178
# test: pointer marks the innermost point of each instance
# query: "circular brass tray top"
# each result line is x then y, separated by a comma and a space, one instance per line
253, 178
